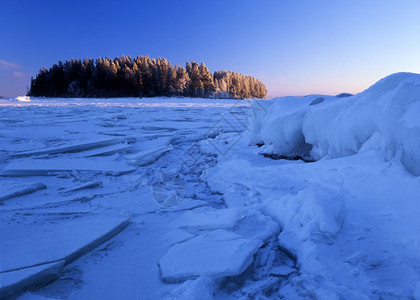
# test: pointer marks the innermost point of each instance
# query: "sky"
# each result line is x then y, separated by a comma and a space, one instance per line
296, 47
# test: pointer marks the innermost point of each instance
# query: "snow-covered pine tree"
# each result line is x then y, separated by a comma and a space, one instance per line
207, 81
196, 86
182, 81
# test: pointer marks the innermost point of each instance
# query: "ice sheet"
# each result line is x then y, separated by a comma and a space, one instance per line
45, 167
74, 148
24, 279
25, 245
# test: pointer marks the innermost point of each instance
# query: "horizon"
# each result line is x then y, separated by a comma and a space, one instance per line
295, 48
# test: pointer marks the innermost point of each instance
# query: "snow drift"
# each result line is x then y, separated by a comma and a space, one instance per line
385, 117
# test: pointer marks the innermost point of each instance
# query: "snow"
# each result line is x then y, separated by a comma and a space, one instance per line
382, 118
351, 217
203, 286
326, 205
330, 210
32, 296
416, 294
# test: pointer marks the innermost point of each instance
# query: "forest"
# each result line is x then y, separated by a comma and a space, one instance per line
141, 77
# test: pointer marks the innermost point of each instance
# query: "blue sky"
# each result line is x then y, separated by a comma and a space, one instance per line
295, 47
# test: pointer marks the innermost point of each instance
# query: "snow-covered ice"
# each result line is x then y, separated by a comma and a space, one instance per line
217, 253
147, 157
43, 241
119, 148
72, 148
385, 117
313, 197
15, 281
21, 191
45, 167
209, 218
89, 185
351, 217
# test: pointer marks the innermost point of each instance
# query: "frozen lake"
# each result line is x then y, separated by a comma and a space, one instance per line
166, 198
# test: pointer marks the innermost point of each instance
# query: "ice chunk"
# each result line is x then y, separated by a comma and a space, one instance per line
23, 191
177, 236
255, 225
207, 218
75, 148
109, 150
186, 204
166, 198
23, 279
45, 167
219, 253
89, 185
147, 157
31, 244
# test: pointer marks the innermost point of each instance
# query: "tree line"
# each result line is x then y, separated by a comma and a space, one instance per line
141, 77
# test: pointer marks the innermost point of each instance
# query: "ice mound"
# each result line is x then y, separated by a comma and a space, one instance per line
310, 215
385, 117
